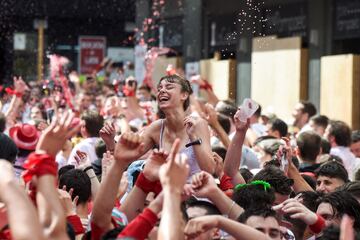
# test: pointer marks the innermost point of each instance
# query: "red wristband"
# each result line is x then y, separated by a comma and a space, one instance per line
225, 183
13, 92
75, 222
39, 165
5, 234
128, 92
318, 226
146, 185
206, 86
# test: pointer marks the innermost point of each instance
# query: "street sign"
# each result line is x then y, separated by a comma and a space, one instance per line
91, 53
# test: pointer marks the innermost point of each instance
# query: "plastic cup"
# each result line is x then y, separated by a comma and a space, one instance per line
247, 109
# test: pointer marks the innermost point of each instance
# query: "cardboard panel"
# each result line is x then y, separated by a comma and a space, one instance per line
161, 64
222, 75
279, 74
340, 88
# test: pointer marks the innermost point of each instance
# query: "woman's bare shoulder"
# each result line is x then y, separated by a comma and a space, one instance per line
153, 130
156, 124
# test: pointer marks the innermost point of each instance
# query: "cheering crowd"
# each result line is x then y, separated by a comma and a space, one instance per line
111, 159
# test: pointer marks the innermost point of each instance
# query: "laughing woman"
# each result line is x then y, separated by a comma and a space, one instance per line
174, 99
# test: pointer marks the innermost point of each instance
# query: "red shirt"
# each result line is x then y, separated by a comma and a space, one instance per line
141, 226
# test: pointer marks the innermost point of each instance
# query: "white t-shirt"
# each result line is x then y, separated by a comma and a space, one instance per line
259, 129
348, 158
87, 146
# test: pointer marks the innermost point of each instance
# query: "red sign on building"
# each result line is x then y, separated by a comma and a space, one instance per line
91, 53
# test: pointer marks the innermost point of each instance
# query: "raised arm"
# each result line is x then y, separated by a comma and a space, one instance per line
19, 89
42, 165
197, 128
141, 226
233, 155
206, 86
173, 176
300, 185
85, 165
147, 181
238, 230
126, 151
212, 118
107, 133
205, 187
18, 204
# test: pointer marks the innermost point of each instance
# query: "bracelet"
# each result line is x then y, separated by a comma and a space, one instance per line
75, 222
232, 206
92, 177
87, 168
196, 142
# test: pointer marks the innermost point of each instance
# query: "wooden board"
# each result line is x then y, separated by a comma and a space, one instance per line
279, 74
340, 88
222, 75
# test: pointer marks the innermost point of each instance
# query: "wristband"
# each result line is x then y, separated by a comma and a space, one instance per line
318, 226
13, 92
5, 234
225, 183
146, 185
196, 142
39, 165
87, 168
127, 92
206, 86
75, 222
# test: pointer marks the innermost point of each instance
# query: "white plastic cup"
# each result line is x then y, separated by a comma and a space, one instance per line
247, 109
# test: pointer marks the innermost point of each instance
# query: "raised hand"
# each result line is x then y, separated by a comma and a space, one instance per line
107, 133
68, 204
211, 115
198, 80
42, 126
53, 138
74, 77
284, 155
195, 126
297, 211
123, 185
187, 193
239, 125
129, 148
153, 164
175, 171
82, 160
106, 161
219, 169
19, 85
199, 225
203, 184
